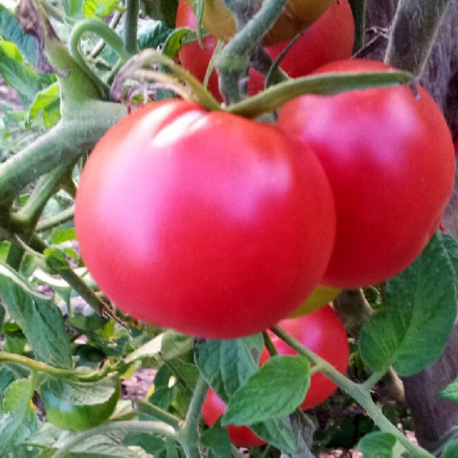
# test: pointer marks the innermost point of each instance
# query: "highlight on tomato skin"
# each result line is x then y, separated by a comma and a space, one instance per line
203, 222
389, 157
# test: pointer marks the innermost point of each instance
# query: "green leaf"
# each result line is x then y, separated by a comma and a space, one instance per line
47, 104
275, 391
19, 420
79, 393
151, 444
16, 73
41, 322
226, 365
101, 447
74, 8
216, 439
380, 445
174, 41
98, 8
419, 315
161, 10
152, 34
175, 344
56, 259
451, 450
451, 392
10, 30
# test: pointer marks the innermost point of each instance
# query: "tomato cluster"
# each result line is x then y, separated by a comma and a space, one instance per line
330, 38
321, 332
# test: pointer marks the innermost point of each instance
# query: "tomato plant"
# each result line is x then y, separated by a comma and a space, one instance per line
297, 16
183, 232
389, 157
242, 436
330, 38
319, 297
324, 334
72, 415
321, 332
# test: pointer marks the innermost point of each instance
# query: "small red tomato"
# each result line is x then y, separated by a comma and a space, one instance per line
323, 333
242, 436
204, 222
389, 157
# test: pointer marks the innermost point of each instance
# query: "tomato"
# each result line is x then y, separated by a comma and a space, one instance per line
242, 436
68, 415
455, 144
321, 332
389, 157
330, 38
192, 56
320, 296
298, 15
324, 334
204, 222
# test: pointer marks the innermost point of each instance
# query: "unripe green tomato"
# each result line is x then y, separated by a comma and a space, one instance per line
66, 415
320, 296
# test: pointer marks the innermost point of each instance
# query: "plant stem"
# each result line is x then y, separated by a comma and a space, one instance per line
189, 431
413, 33
108, 35
15, 255
325, 84
130, 26
357, 391
233, 62
159, 414
66, 141
98, 48
150, 427
358, 8
56, 220
27, 217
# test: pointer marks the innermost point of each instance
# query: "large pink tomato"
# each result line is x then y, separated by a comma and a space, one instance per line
389, 157
204, 222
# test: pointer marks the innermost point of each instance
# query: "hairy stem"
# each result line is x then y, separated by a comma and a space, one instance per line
130, 26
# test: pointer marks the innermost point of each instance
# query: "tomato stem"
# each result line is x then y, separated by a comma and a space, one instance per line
358, 8
324, 84
56, 220
130, 26
108, 35
189, 431
233, 62
358, 392
159, 414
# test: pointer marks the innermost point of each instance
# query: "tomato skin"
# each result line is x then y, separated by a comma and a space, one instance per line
298, 15
330, 38
242, 436
389, 158
319, 297
77, 417
203, 221
324, 334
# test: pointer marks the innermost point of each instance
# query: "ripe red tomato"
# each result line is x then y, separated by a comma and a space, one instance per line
298, 15
330, 38
321, 332
389, 157
204, 222
242, 436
